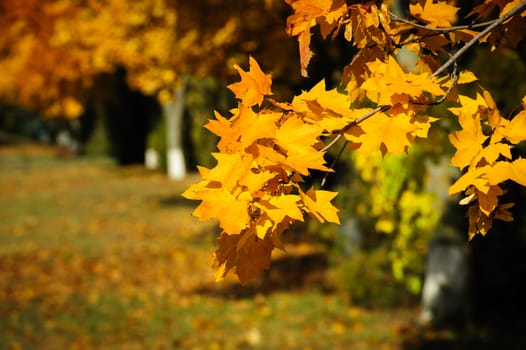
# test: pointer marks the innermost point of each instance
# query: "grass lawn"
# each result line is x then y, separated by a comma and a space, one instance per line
94, 256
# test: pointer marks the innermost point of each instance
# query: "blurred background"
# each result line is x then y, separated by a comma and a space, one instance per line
102, 104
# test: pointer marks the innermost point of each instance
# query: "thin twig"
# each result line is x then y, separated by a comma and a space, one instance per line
322, 183
479, 36
333, 141
357, 121
453, 78
441, 30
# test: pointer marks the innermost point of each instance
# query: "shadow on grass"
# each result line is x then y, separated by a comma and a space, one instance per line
500, 334
288, 273
176, 200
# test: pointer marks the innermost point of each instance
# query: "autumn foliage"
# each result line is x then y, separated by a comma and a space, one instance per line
268, 149
51, 52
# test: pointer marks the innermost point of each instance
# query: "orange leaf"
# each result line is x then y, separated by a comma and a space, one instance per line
318, 204
254, 84
231, 212
223, 128
297, 138
493, 151
247, 260
388, 84
439, 14
389, 134
489, 202
307, 13
478, 221
502, 212
253, 127
282, 206
502, 171
471, 178
229, 169
515, 130
467, 141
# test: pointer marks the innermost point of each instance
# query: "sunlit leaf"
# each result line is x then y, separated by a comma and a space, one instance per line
254, 84
436, 14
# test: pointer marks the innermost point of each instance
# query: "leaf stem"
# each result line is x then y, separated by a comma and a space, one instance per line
453, 78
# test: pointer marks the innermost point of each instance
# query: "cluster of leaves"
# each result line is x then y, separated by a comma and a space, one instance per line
484, 149
264, 156
268, 148
254, 190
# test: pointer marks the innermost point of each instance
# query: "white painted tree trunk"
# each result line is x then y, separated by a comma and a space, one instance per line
173, 112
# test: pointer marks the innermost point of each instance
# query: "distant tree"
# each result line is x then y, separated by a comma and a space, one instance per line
51, 52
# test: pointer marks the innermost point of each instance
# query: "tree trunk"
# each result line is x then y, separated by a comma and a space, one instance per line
174, 112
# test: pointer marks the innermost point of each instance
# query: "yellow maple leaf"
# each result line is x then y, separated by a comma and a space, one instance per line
254, 84
423, 124
469, 106
262, 226
229, 169
229, 136
330, 102
439, 14
502, 171
318, 204
515, 130
364, 26
230, 211
297, 138
518, 171
467, 141
492, 152
389, 134
329, 121
329, 109
475, 177
253, 127
388, 84
279, 207
308, 13
255, 179
267, 155
466, 77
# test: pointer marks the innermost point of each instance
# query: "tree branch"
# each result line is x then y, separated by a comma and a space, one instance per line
480, 35
441, 30
453, 78
490, 25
